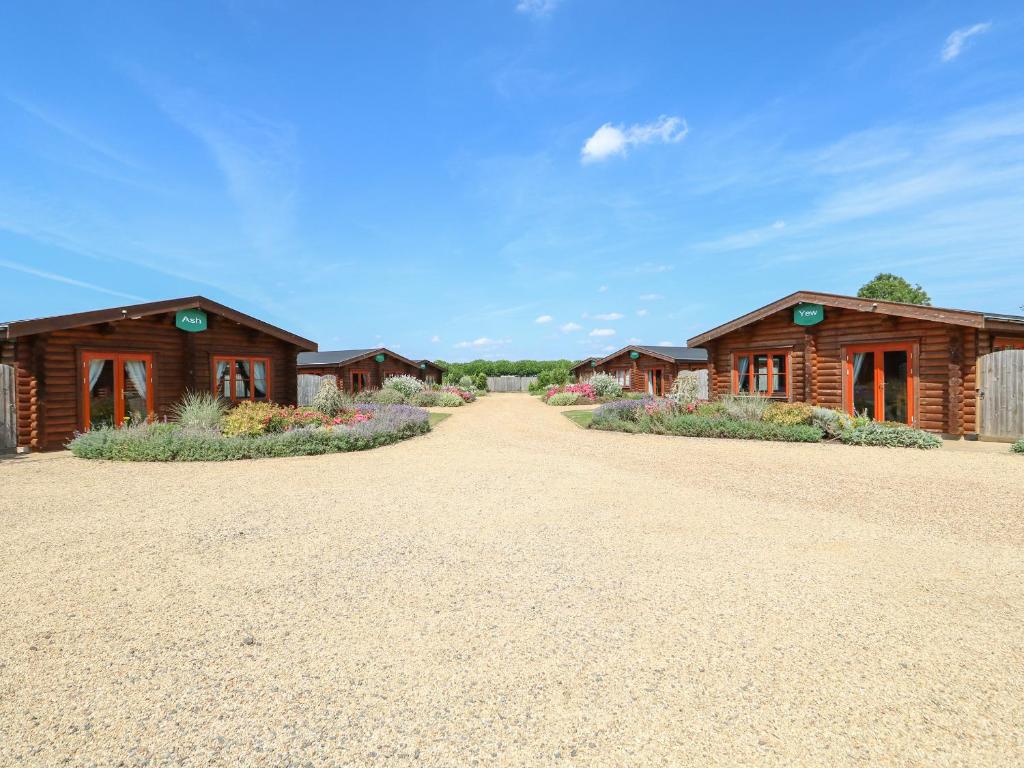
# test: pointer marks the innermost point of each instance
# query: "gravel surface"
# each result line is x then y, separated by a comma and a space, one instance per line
513, 590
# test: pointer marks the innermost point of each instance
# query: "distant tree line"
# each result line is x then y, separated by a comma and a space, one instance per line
503, 367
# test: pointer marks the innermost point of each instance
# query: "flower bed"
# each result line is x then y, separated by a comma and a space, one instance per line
748, 419
570, 394
255, 431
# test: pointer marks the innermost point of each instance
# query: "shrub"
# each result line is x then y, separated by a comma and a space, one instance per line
329, 400
407, 385
585, 391
692, 425
1018, 447
199, 410
710, 409
564, 398
552, 377
447, 399
247, 418
467, 395
365, 396
788, 413
832, 423
480, 382
170, 442
745, 407
605, 385
619, 410
685, 389
389, 396
890, 435
425, 399
466, 382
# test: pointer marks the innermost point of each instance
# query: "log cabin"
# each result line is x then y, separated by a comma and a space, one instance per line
642, 368
894, 362
126, 364
359, 369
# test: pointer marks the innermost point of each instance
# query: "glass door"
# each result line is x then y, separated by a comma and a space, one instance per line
880, 381
117, 387
654, 382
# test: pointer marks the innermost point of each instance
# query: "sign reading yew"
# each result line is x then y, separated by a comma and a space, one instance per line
808, 314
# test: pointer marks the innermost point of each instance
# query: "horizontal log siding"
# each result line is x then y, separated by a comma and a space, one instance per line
638, 369
843, 327
378, 371
50, 377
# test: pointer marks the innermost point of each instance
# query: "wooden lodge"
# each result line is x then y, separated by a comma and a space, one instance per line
359, 369
109, 366
896, 362
641, 368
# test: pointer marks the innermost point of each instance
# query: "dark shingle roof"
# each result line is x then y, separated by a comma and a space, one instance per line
679, 354
333, 357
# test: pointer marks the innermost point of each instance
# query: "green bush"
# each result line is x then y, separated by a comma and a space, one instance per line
248, 418
564, 398
692, 425
890, 435
389, 396
366, 396
449, 400
788, 413
685, 389
456, 371
1018, 447
745, 407
199, 410
480, 382
407, 385
552, 377
710, 410
465, 382
605, 385
425, 399
329, 399
832, 423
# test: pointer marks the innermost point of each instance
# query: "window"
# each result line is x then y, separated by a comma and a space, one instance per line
1004, 342
359, 380
116, 387
241, 378
764, 373
880, 381
621, 376
655, 382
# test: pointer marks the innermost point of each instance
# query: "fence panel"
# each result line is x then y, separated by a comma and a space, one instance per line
1001, 394
702, 382
510, 383
309, 385
8, 413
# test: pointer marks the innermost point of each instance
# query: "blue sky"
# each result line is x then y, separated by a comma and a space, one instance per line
507, 178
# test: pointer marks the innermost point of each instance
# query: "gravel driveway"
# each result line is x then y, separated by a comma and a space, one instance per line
513, 590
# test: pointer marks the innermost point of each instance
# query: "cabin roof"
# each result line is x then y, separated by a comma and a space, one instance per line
346, 356
666, 353
962, 317
17, 328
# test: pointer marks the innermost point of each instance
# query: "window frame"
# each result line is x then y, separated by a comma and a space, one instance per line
627, 375
751, 373
358, 372
232, 361
650, 378
1003, 343
879, 349
118, 358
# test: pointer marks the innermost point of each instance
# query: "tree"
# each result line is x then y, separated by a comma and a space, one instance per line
889, 287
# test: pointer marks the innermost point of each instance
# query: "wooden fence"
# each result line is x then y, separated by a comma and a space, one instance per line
1001, 395
309, 385
702, 382
510, 383
8, 413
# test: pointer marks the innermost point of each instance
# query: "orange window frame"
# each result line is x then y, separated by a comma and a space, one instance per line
896, 346
627, 377
650, 379
118, 359
1000, 343
231, 360
751, 372
363, 381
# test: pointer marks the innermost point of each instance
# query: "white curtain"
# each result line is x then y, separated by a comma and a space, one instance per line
858, 363
259, 378
743, 371
136, 370
95, 371
223, 379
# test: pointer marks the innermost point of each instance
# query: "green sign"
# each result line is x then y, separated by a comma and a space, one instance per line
379, 358
191, 320
593, 363
423, 366
634, 355
808, 314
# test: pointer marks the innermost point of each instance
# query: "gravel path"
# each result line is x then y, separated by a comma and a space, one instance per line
513, 590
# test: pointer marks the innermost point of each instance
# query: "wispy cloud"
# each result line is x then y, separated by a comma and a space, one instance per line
544, 319
610, 140
602, 332
649, 268
435, 339
66, 280
651, 297
665, 344
958, 38
537, 8
602, 289
570, 327
643, 312
482, 343
606, 316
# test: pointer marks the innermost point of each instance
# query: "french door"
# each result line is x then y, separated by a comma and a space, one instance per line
360, 380
880, 381
116, 387
655, 382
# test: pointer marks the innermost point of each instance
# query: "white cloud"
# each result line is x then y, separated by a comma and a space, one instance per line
603, 289
651, 297
66, 280
603, 332
481, 343
958, 39
435, 339
537, 7
607, 316
633, 340
609, 140
643, 312
544, 319
570, 327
